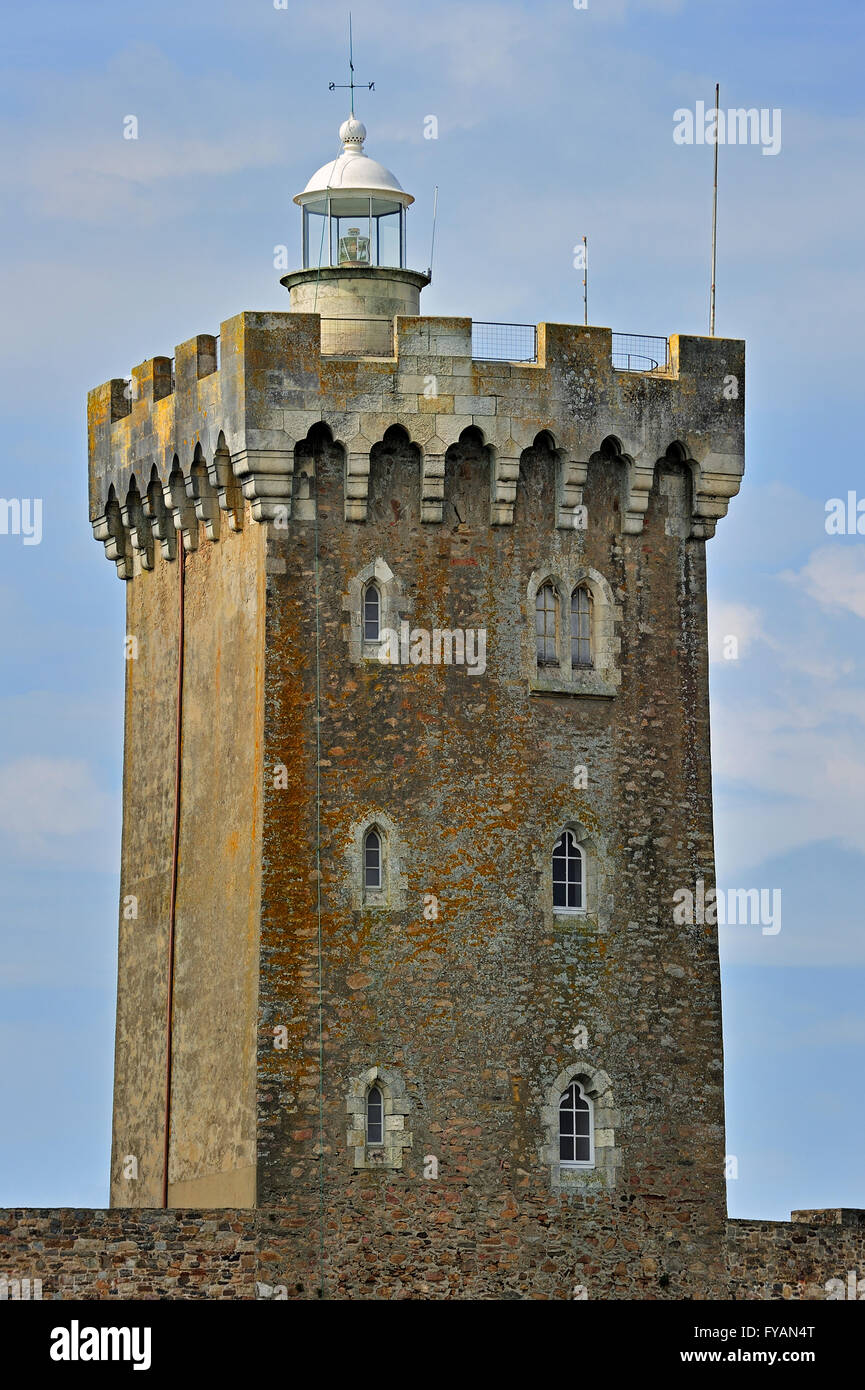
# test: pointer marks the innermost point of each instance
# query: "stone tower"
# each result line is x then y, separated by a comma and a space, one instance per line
416, 758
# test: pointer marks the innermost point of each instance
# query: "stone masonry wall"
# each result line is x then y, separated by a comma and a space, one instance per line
797, 1259
242, 1254
128, 1253
476, 1009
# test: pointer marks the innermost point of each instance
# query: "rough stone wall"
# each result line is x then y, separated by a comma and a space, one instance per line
476, 1010
519, 1252
216, 952
139, 1254
797, 1259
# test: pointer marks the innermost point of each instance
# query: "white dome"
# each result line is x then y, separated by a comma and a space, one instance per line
354, 170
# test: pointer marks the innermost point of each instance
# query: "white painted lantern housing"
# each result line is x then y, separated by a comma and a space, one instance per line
353, 209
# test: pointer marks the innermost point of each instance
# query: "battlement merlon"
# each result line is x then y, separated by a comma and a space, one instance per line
172, 449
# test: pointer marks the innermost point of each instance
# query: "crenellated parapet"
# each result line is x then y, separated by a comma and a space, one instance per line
212, 437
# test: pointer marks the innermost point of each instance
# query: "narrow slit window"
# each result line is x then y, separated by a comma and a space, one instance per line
568, 876
546, 625
581, 627
371, 613
372, 861
575, 1127
374, 1116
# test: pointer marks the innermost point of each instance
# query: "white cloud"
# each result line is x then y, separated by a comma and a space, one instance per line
618, 10
790, 777
737, 620
74, 163
788, 731
835, 577
51, 796
826, 940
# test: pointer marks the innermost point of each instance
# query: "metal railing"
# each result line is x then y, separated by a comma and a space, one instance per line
491, 342
635, 352
504, 342
357, 337
518, 342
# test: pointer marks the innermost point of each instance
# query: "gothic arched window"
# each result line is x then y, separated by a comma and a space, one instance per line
581, 627
374, 1116
378, 1107
569, 879
573, 647
576, 1130
372, 861
547, 625
371, 613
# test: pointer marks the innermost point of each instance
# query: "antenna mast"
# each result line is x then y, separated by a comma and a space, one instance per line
714, 216
350, 85
433, 240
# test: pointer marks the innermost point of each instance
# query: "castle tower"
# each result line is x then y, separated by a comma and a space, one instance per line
416, 761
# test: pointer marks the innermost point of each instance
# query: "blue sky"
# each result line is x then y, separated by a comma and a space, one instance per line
552, 123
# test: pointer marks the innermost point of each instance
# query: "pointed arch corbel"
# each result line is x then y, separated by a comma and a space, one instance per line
182, 511
161, 521
640, 478
136, 524
225, 484
202, 495
265, 478
109, 529
716, 479
357, 463
570, 481
432, 480
504, 476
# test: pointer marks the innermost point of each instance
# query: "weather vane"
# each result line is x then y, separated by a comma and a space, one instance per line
350, 84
